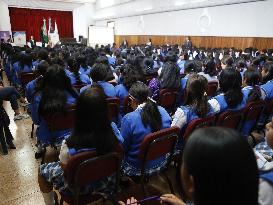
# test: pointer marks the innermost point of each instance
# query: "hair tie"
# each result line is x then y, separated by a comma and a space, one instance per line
205, 94
151, 100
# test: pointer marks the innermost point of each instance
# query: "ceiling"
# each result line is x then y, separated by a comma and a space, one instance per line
66, 5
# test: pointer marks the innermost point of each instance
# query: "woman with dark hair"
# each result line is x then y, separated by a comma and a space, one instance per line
195, 106
251, 81
241, 66
231, 97
92, 131
146, 118
233, 181
75, 76
84, 68
53, 95
190, 68
267, 80
169, 78
99, 75
130, 75
209, 72
24, 66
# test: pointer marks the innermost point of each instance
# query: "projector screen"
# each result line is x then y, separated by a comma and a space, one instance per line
100, 35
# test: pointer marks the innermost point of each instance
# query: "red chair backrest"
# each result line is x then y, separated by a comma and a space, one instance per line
212, 88
253, 110
61, 121
167, 98
113, 108
27, 77
197, 123
84, 168
230, 119
158, 144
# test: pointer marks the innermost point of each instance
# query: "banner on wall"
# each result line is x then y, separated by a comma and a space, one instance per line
19, 38
5, 35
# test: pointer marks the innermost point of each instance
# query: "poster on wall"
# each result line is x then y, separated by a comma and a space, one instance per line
19, 38
4, 35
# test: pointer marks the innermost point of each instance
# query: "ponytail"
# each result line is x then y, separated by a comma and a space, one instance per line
255, 94
74, 68
233, 96
151, 116
201, 106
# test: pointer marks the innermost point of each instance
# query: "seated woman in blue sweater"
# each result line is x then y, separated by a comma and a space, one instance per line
146, 118
251, 81
24, 66
92, 131
232, 97
84, 68
267, 80
130, 75
99, 75
75, 76
53, 95
195, 106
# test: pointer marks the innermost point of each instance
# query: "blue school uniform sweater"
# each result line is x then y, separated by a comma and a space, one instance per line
85, 71
121, 93
84, 79
108, 88
133, 131
268, 89
43, 134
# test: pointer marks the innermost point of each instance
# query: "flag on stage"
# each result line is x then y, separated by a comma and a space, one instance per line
56, 28
45, 37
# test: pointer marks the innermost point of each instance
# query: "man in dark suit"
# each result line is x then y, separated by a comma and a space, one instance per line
32, 42
187, 44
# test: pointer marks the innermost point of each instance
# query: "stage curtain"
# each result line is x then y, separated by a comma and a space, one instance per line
31, 21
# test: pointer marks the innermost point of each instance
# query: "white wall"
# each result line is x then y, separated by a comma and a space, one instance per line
4, 17
252, 19
82, 18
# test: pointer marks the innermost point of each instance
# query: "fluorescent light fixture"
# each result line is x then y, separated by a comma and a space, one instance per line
144, 9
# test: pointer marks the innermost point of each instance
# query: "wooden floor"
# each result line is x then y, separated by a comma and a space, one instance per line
19, 169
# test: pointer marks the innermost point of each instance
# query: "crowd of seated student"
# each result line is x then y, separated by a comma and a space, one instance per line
53, 89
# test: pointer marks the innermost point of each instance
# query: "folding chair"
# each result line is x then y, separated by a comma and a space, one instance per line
230, 119
155, 145
167, 99
86, 168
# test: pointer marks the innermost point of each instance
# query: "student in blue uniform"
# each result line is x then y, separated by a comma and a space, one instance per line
209, 72
267, 80
53, 95
92, 131
31, 86
241, 66
195, 105
98, 75
130, 76
190, 68
75, 76
146, 118
24, 66
231, 97
84, 68
251, 81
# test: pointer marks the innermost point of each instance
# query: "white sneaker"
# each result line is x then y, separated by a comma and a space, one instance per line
21, 116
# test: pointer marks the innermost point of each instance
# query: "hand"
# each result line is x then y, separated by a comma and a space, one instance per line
132, 201
171, 199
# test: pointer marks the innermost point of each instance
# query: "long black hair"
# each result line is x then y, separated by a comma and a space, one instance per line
223, 167
230, 82
196, 96
25, 60
252, 77
150, 114
92, 126
210, 67
54, 90
170, 75
130, 75
268, 67
74, 67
